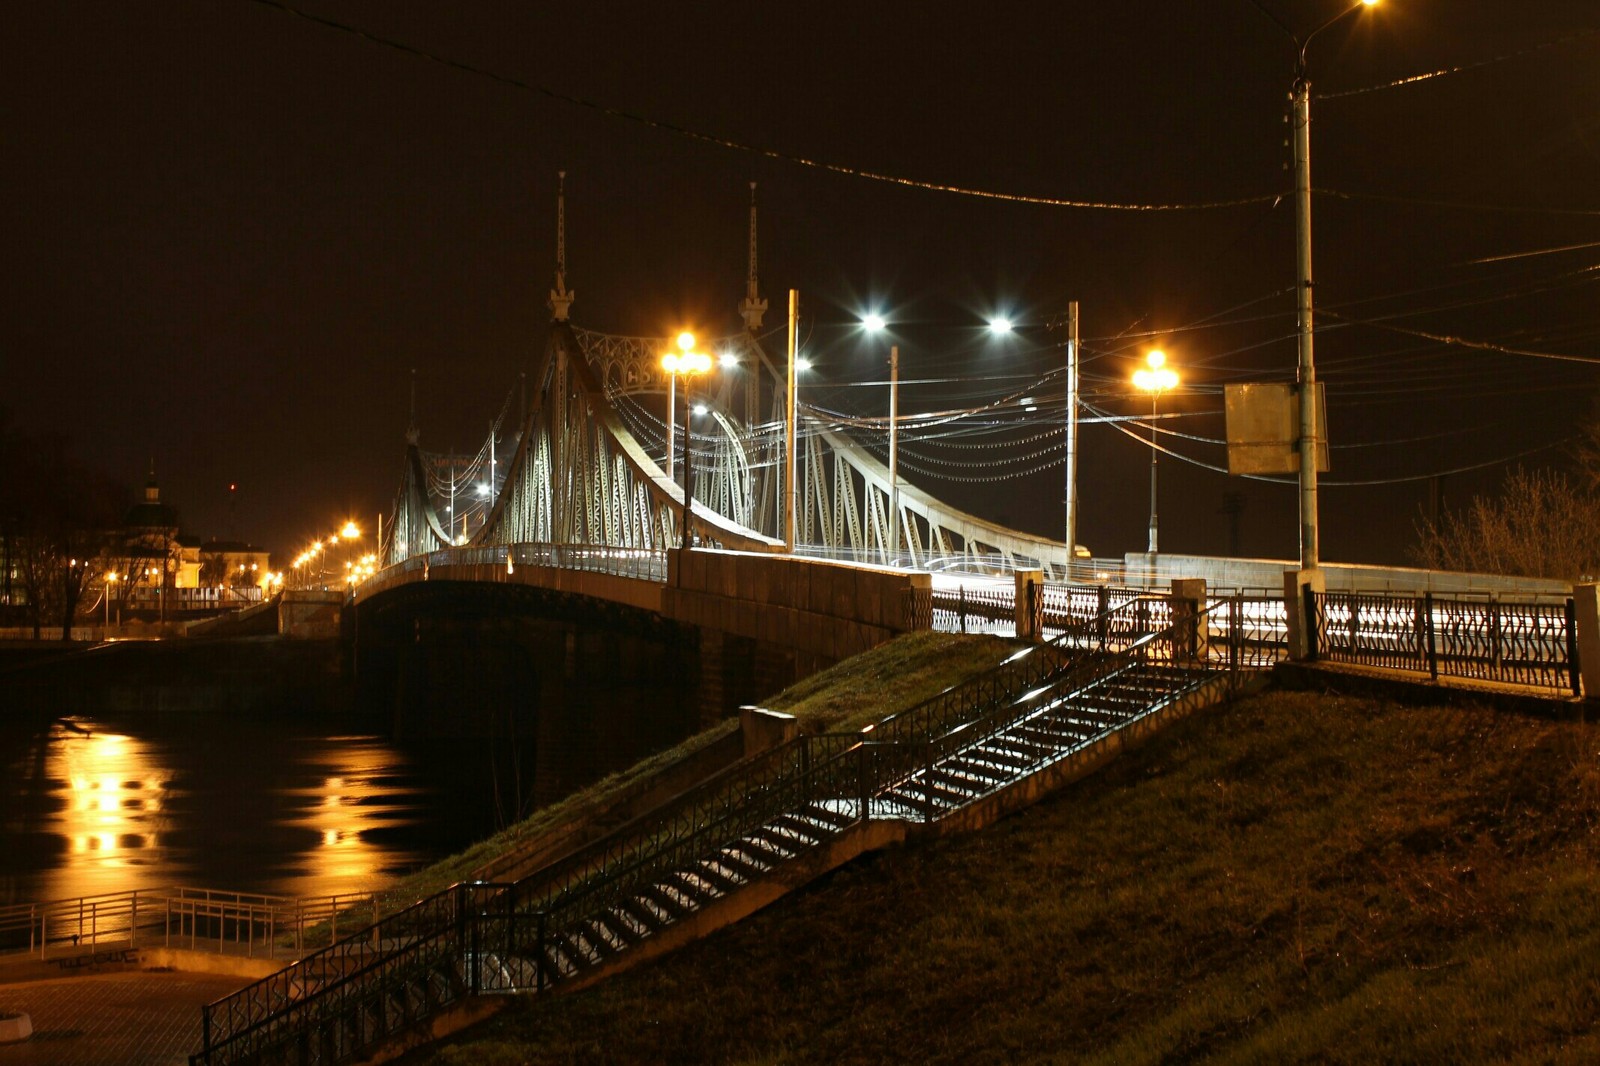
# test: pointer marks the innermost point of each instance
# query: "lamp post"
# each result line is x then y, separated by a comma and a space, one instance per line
686, 363
875, 324
685, 342
1155, 377
1306, 389
111, 581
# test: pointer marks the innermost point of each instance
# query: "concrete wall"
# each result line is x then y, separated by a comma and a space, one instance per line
823, 610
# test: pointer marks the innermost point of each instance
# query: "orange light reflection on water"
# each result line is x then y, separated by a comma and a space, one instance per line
113, 814
122, 808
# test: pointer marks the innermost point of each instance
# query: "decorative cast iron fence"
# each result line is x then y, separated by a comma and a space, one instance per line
1524, 643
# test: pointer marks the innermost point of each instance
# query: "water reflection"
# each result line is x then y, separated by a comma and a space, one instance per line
115, 794
91, 806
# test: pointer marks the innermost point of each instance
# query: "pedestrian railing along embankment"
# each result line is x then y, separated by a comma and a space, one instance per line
1532, 641
194, 919
797, 803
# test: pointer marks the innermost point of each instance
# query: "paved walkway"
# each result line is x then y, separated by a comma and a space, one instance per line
130, 1018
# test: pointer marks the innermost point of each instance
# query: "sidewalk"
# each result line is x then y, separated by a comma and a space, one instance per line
129, 1018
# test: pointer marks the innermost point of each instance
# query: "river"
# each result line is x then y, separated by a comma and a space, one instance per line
292, 806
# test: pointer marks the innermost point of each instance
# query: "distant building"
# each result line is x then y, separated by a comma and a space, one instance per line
233, 564
159, 566
157, 556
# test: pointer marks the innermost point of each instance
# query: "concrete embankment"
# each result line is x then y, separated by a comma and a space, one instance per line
184, 676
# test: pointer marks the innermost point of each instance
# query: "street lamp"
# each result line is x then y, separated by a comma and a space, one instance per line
1155, 377
111, 581
1307, 378
686, 364
685, 342
875, 324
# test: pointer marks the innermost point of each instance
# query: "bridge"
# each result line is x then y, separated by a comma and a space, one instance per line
795, 548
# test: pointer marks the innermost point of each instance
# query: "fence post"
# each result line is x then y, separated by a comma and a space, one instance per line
510, 949
1236, 633
861, 780
539, 960
1300, 610
1574, 676
1433, 651
1313, 622
1586, 603
1494, 629
475, 956
1102, 617
927, 779
1188, 632
1026, 604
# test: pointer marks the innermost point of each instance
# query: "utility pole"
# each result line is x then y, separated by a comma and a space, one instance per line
894, 451
789, 493
1309, 555
1072, 435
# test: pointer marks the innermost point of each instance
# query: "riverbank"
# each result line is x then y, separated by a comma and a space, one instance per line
1296, 877
190, 676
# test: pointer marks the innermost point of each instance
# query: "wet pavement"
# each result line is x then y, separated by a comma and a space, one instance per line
128, 1018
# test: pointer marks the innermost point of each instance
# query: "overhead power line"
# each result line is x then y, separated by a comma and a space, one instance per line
740, 146
1462, 342
1415, 79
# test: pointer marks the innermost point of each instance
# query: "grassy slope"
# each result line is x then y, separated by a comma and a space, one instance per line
1294, 878
847, 696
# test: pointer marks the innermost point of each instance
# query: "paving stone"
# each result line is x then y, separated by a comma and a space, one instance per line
143, 1018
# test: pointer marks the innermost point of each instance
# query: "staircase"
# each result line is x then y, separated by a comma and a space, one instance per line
732, 844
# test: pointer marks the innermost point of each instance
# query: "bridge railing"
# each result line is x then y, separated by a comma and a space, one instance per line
1530, 641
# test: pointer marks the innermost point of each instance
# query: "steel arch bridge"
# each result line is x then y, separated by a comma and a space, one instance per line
587, 468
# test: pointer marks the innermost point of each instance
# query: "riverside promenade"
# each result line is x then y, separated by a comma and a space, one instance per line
123, 1017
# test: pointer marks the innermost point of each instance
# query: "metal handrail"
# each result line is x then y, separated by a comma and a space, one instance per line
554, 902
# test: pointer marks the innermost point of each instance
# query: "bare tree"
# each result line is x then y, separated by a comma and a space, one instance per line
57, 516
1542, 524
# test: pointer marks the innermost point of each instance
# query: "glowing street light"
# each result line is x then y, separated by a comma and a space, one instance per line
687, 364
999, 325
875, 324
1155, 377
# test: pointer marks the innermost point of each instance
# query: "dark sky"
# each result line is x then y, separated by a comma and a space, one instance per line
232, 232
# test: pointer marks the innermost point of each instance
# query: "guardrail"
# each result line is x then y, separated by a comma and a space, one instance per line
1524, 642
255, 926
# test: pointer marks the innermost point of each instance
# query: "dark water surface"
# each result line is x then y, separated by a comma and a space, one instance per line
284, 806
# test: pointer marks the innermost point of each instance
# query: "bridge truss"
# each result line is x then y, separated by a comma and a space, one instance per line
588, 468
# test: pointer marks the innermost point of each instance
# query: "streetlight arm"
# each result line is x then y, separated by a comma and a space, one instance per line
1301, 44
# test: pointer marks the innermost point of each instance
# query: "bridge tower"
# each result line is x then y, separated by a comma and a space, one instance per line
560, 298
752, 309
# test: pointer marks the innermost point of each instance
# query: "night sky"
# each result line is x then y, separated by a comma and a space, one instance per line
233, 232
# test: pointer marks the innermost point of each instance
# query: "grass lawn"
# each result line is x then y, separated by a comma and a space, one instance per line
857, 692
1293, 878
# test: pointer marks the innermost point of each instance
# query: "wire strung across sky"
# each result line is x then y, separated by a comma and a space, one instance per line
849, 170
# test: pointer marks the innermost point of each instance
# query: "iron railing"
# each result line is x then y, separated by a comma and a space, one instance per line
481, 937
1518, 642
199, 919
957, 609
